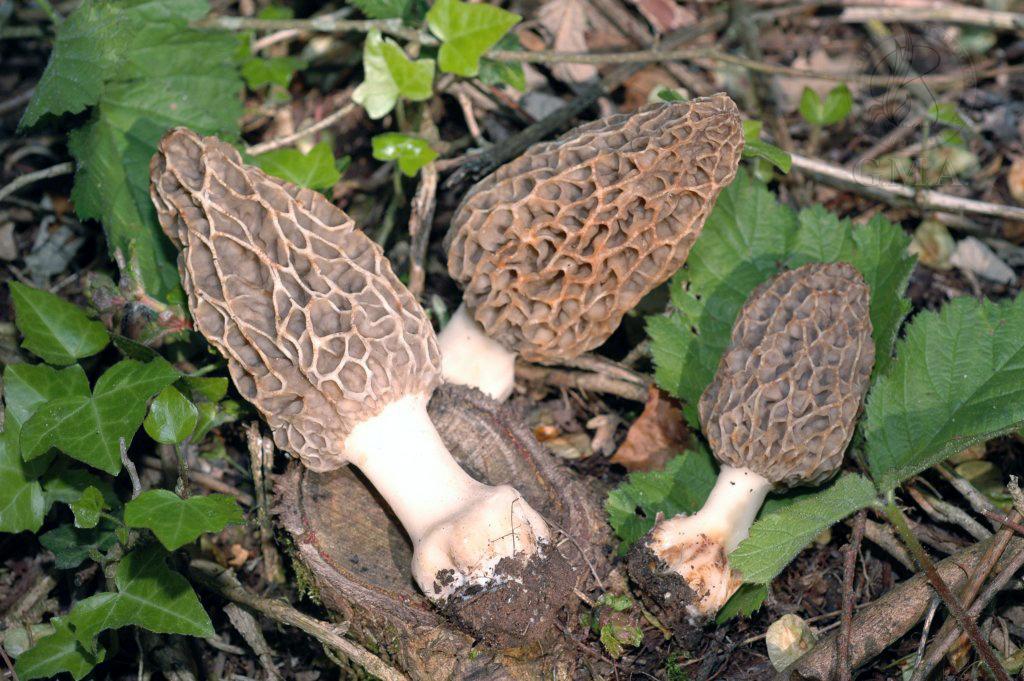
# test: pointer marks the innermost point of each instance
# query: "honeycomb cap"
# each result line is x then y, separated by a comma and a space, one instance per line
553, 248
785, 399
318, 332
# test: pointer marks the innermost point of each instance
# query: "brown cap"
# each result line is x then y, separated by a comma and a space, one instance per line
788, 390
318, 332
555, 247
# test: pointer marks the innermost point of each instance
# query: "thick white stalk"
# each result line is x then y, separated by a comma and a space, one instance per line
458, 526
697, 546
470, 357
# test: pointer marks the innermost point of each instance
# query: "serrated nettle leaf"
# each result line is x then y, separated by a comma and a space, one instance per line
958, 379
260, 72
87, 508
681, 487
390, 74
149, 595
88, 427
777, 538
498, 72
744, 603
57, 653
71, 546
54, 329
412, 153
176, 521
467, 31
315, 170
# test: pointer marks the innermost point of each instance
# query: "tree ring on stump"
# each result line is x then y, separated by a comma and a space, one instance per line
358, 558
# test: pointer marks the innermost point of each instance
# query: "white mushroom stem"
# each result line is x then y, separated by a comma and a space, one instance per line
470, 357
459, 527
697, 546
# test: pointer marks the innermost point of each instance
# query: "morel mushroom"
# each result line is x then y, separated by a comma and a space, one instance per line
336, 354
555, 247
779, 413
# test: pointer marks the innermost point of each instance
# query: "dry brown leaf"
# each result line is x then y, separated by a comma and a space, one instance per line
1015, 180
665, 15
656, 436
239, 555
566, 21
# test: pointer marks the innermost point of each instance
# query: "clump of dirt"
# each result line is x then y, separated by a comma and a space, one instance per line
664, 592
522, 606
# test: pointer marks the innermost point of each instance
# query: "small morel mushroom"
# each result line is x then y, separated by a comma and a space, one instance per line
334, 351
779, 413
553, 248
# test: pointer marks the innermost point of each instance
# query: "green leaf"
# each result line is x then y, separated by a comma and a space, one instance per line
946, 112
412, 153
54, 329
681, 487
617, 602
71, 546
745, 240
386, 9
467, 31
958, 379
22, 505
507, 72
88, 427
176, 521
811, 106
149, 595
769, 152
666, 94
145, 71
744, 603
777, 538
614, 638
59, 652
172, 417
87, 508
315, 170
65, 482
838, 104
390, 74
208, 388
260, 72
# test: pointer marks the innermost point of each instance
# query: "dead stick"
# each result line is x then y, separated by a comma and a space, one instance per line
581, 380
224, 582
420, 222
849, 572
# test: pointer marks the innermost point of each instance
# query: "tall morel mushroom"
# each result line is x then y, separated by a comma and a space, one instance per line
779, 413
553, 248
322, 337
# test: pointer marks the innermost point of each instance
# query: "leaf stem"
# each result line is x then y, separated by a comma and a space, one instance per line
968, 625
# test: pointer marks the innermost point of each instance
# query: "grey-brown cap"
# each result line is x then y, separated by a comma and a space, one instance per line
785, 399
553, 248
317, 330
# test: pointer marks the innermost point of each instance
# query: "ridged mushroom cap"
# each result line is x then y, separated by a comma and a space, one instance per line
553, 248
785, 399
318, 332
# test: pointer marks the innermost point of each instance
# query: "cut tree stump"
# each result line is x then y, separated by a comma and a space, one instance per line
357, 557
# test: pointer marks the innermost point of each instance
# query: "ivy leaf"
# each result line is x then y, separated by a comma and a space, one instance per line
681, 487
412, 153
22, 505
59, 652
510, 73
778, 537
390, 74
149, 595
260, 72
176, 521
315, 170
55, 330
71, 546
144, 70
958, 379
467, 31
172, 417
87, 508
88, 427
208, 388
64, 482
744, 603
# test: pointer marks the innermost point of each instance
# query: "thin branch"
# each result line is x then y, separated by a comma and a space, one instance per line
947, 13
421, 220
970, 627
562, 378
129, 465
29, 178
326, 122
849, 571
224, 582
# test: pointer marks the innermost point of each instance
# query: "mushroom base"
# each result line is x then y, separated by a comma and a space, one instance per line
522, 602
469, 357
665, 593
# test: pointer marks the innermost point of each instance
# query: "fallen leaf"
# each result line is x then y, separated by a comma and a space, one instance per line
1015, 180
975, 256
238, 555
566, 21
638, 88
665, 15
657, 435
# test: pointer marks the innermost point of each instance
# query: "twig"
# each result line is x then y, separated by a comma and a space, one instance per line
250, 630
224, 582
925, 631
15, 102
129, 465
882, 536
952, 13
969, 626
421, 219
1006, 521
849, 571
30, 178
562, 378
978, 501
261, 457
326, 122
206, 481
899, 194
8, 664
945, 512
603, 365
